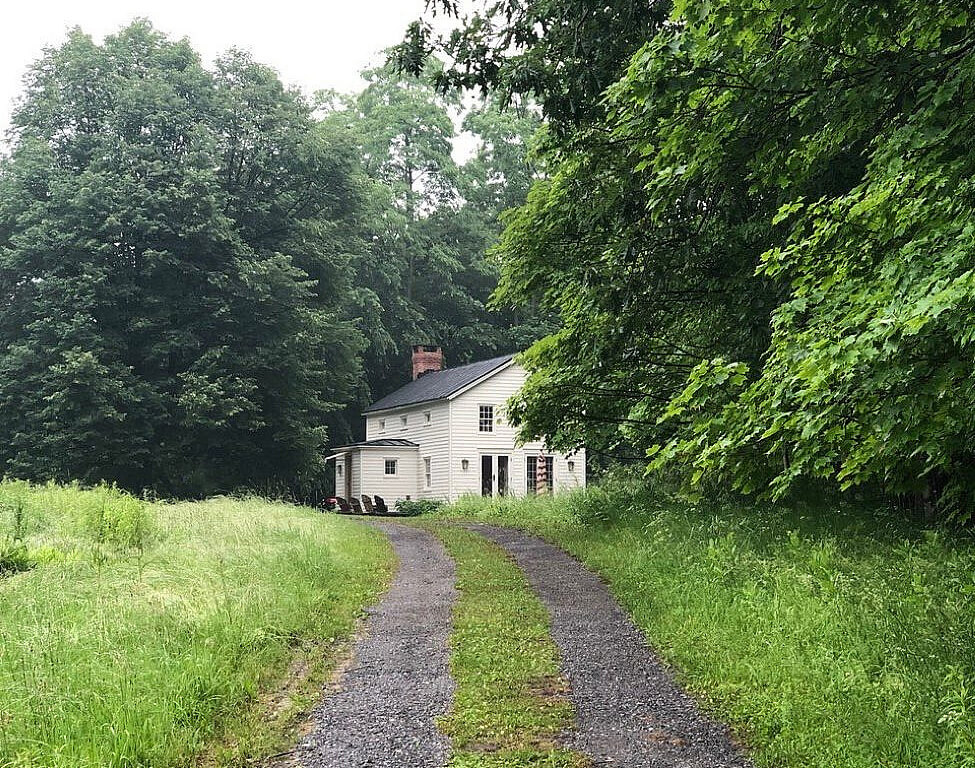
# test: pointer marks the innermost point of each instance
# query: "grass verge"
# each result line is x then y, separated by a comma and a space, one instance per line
196, 641
828, 637
510, 703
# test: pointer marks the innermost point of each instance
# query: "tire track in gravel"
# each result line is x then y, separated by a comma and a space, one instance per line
630, 711
385, 711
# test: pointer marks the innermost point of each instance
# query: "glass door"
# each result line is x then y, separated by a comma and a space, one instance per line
487, 475
502, 475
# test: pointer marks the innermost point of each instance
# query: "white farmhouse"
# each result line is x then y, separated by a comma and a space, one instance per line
445, 435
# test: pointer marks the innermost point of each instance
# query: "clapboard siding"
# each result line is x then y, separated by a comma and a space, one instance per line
433, 437
448, 438
468, 442
375, 481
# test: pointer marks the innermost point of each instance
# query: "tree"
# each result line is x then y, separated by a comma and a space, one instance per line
757, 246
158, 224
868, 375
561, 54
430, 222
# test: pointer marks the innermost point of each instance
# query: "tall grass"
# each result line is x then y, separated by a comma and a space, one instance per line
829, 636
145, 630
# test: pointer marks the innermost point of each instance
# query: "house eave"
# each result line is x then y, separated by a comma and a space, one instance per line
485, 377
407, 407
452, 396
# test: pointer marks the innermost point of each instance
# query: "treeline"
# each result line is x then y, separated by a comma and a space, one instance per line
756, 228
204, 275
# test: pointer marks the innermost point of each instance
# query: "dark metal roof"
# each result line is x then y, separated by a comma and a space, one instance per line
439, 385
389, 442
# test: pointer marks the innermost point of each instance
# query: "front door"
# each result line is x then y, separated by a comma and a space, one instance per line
494, 475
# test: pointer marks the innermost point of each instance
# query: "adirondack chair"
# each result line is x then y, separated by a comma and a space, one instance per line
356, 506
330, 504
381, 508
343, 505
367, 503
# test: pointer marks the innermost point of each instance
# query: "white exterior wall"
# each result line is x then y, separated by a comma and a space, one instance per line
355, 467
373, 478
467, 442
433, 437
451, 436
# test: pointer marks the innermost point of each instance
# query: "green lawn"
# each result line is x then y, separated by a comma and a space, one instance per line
165, 634
829, 638
510, 701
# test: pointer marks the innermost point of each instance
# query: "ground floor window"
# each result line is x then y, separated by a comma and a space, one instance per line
390, 466
427, 474
532, 472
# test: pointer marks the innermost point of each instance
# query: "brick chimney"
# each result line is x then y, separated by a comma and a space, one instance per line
426, 359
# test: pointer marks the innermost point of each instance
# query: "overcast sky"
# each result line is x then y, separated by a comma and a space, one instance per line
314, 45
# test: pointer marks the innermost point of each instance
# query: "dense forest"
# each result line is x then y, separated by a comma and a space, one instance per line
735, 239
207, 275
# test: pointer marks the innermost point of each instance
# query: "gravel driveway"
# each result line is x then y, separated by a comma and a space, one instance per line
384, 714
630, 712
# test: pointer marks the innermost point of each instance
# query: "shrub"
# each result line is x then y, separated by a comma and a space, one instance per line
113, 517
412, 508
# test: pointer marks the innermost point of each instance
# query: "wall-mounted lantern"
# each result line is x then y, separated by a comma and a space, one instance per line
465, 464
572, 466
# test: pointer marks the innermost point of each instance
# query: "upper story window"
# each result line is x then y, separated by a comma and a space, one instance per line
426, 417
390, 466
402, 422
382, 425
485, 421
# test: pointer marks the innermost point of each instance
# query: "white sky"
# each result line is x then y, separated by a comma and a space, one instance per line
316, 44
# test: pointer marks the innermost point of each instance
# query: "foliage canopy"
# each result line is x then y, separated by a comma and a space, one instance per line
760, 247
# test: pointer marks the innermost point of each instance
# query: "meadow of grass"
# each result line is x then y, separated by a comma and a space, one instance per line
135, 634
830, 637
510, 702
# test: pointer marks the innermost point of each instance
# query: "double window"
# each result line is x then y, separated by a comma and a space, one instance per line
485, 419
532, 473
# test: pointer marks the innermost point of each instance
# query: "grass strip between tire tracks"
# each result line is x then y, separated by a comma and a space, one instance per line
511, 702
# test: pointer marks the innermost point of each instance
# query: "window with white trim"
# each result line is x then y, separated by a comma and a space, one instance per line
485, 419
390, 467
427, 473
382, 425
426, 417
402, 421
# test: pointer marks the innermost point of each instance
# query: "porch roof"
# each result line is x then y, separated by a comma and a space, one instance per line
389, 442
